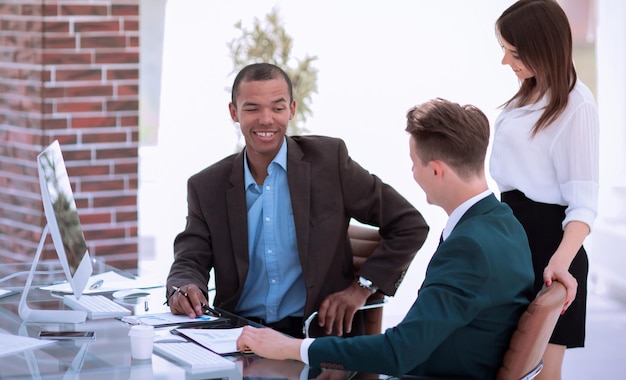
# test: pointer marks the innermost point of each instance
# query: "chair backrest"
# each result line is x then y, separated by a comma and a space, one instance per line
364, 241
530, 339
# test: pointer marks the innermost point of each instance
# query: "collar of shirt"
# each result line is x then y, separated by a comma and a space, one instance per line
280, 159
458, 212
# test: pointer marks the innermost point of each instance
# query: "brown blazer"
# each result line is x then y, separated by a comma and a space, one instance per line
327, 190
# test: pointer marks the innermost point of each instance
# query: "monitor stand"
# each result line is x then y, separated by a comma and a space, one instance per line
45, 316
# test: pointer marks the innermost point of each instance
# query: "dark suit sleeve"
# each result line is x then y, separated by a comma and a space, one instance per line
452, 295
403, 229
192, 248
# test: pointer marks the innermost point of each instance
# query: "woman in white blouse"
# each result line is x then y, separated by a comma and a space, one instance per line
545, 159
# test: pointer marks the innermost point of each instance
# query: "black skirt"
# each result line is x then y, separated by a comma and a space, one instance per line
542, 223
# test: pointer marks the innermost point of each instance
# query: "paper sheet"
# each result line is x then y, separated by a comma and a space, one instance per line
11, 344
222, 341
165, 319
112, 281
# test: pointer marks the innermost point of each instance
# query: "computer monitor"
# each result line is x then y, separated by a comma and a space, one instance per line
64, 226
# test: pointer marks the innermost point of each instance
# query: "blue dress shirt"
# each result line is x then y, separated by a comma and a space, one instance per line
274, 287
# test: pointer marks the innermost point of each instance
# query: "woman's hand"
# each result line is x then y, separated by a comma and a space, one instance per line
562, 275
574, 235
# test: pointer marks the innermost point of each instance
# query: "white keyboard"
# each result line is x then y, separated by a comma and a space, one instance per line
97, 306
194, 356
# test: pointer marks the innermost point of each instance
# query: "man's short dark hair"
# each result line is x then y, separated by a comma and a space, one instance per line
260, 72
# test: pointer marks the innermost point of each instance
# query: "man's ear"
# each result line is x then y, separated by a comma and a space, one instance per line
233, 112
292, 109
437, 168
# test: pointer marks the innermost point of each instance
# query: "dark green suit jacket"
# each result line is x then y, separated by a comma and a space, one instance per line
478, 283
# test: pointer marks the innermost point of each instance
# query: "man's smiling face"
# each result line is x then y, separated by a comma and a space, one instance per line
263, 111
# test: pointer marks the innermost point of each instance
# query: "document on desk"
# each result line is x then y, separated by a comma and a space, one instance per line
109, 282
221, 341
166, 319
11, 344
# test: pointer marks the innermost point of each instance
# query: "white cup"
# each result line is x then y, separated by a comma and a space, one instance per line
141, 341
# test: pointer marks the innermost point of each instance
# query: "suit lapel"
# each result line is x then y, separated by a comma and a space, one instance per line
238, 218
299, 179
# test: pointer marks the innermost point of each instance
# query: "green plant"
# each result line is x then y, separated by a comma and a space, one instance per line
268, 41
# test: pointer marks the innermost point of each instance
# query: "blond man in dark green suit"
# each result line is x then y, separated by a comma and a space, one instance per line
479, 280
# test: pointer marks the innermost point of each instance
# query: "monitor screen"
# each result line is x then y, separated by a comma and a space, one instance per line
62, 216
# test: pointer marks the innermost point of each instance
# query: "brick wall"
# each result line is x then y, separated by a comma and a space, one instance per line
69, 70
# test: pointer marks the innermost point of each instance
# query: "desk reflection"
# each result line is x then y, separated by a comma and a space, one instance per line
253, 367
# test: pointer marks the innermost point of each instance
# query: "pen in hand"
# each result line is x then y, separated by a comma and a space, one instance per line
203, 305
179, 290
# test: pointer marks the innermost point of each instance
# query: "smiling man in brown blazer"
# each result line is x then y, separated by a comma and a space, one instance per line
272, 222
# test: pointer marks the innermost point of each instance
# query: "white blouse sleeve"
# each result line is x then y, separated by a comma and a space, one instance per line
575, 155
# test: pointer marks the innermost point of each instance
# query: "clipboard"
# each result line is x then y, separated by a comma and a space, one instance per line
220, 336
221, 341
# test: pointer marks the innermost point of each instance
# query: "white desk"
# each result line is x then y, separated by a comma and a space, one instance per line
108, 356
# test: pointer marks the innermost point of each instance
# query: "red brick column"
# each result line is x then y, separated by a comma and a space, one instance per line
69, 70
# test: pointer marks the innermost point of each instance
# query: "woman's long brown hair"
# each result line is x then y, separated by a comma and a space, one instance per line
541, 34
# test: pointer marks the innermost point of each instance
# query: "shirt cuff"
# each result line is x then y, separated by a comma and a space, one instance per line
304, 349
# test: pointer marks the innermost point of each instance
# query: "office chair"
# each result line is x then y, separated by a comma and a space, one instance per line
523, 359
364, 241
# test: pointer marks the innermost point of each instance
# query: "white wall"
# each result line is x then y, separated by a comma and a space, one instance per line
608, 256
375, 61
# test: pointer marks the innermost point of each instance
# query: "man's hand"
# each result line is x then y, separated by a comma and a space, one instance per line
337, 310
269, 343
190, 305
